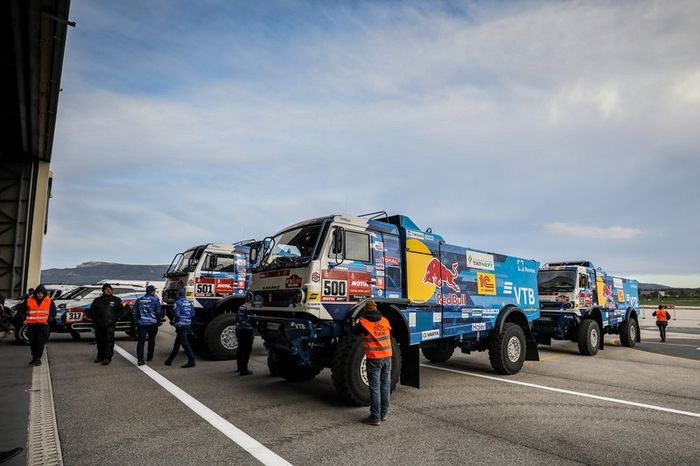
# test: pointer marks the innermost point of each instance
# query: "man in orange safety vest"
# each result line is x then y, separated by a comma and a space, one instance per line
662, 318
38, 309
376, 334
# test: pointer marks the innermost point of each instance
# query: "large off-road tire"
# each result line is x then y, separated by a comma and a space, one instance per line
507, 349
438, 354
22, 334
588, 337
628, 332
349, 369
274, 364
220, 336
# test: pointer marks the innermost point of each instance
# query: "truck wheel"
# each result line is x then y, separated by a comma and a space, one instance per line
349, 370
588, 334
274, 364
220, 336
628, 332
507, 349
438, 354
76, 335
21, 334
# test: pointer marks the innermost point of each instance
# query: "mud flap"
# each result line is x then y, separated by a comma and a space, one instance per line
410, 365
531, 352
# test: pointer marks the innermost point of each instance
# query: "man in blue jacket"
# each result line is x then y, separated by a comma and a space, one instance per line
147, 314
182, 320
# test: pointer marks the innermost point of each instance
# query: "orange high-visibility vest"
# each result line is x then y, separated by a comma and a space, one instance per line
377, 342
661, 315
38, 313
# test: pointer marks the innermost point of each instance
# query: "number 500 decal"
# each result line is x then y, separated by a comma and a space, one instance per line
335, 288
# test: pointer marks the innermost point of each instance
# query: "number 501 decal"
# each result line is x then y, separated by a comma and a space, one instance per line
335, 288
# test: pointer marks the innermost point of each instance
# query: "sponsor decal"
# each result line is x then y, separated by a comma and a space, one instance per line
207, 287
480, 260
313, 297
430, 334
620, 296
486, 283
507, 288
241, 285
439, 275
437, 317
452, 299
479, 327
411, 319
293, 281
562, 299
315, 277
378, 246
275, 273
389, 260
414, 234
617, 283
522, 267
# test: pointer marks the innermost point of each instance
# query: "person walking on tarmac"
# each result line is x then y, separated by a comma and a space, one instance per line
147, 314
662, 318
182, 320
38, 309
376, 332
245, 336
105, 311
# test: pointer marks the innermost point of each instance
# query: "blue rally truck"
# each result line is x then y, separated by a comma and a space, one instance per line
312, 279
215, 277
581, 303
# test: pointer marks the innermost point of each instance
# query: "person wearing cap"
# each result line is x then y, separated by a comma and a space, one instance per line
37, 310
147, 315
245, 336
183, 312
105, 311
376, 334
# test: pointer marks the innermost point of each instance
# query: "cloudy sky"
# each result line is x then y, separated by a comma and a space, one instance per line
551, 131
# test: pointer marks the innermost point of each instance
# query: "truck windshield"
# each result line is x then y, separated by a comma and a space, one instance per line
292, 246
556, 280
181, 262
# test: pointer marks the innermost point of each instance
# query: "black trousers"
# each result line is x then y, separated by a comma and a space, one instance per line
245, 346
182, 340
662, 330
38, 334
144, 331
104, 337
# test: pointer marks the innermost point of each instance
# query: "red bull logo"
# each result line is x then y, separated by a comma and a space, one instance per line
437, 274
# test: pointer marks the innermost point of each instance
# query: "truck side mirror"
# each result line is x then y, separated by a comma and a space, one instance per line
191, 264
213, 261
338, 240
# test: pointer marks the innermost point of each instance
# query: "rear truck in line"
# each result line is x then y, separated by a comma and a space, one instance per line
581, 303
311, 280
215, 277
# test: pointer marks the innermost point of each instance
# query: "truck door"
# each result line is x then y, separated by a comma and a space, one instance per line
349, 275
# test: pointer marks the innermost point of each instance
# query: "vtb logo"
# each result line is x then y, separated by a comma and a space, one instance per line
486, 283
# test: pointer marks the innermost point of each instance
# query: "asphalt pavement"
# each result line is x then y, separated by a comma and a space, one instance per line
15, 383
647, 410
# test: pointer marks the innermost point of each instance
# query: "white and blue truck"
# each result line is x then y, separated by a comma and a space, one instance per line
311, 280
581, 303
215, 278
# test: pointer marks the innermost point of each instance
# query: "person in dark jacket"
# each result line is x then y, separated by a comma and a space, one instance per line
183, 312
105, 311
147, 314
245, 336
37, 310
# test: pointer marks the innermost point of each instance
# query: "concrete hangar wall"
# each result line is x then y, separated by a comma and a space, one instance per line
32, 42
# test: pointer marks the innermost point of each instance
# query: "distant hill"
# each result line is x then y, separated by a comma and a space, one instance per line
91, 272
653, 287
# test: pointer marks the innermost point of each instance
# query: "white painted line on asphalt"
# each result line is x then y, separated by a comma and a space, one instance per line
567, 392
245, 441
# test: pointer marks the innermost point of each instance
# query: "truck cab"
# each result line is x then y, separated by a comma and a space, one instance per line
312, 280
581, 303
215, 278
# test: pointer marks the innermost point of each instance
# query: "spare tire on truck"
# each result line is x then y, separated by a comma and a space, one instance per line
349, 369
220, 336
